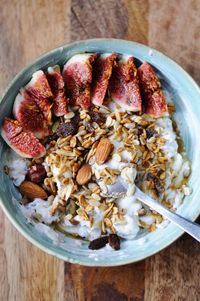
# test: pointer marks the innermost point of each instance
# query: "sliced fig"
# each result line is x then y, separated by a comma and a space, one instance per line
39, 89
56, 83
102, 70
124, 86
155, 104
77, 74
11, 127
23, 143
28, 113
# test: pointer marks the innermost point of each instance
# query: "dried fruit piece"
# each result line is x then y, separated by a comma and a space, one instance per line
36, 173
151, 133
97, 117
77, 74
98, 243
154, 101
102, 70
66, 129
124, 86
56, 83
114, 241
155, 182
84, 174
32, 191
23, 143
38, 88
28, 113
103, 150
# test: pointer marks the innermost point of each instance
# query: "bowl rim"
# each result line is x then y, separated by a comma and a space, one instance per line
59, 50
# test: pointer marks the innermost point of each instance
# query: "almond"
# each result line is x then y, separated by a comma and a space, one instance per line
32, 190
84, 174
103, 150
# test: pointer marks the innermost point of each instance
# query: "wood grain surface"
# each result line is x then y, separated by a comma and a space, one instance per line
29, 28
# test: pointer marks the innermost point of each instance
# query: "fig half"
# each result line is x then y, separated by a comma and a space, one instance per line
102, 70
56, 83
155, 104
77, 74
124, 86
38, 88
23, 143
29, 115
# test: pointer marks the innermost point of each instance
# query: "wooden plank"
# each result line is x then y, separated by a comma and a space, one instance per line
174, 29
114, 19
102, 284
173, 274
28, 28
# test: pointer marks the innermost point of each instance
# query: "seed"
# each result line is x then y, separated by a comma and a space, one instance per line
73, 141
96, 197
162, 176
69, 115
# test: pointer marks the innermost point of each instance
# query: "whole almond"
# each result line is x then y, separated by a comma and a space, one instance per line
84, 174
103, 150
32, 190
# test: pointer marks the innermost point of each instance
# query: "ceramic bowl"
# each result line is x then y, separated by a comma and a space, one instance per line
184, 93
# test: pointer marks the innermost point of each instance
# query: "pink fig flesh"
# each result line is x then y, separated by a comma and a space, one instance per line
155, 104
77, 74
28, 113
23, 143
38, 88
56, 83
102, 70
124, 86
11, 127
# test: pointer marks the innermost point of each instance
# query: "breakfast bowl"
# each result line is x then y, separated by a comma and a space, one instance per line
178, 87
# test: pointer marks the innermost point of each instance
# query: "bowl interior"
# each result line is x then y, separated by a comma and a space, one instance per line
184, 93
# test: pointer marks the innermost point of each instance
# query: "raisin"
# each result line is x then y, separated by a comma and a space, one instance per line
98, 243
114, 241
97, 117
36, 173
89, 127
68, 128
157, 185
151, 133
139, 130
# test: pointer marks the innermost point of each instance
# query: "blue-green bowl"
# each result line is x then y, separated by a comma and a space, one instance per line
185, 94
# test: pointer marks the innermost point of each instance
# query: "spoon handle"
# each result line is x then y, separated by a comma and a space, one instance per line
191, 228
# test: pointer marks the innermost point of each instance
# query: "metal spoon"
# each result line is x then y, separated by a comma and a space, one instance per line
119, 189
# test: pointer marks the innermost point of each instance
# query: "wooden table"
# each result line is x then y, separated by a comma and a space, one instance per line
29, 28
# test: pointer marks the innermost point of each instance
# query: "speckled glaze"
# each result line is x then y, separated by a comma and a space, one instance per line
184, 93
